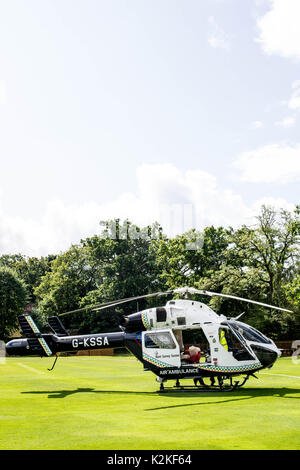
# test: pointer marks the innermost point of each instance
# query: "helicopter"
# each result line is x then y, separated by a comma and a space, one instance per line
156, 337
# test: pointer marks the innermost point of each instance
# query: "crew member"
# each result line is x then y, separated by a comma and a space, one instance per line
193, 354
223, 340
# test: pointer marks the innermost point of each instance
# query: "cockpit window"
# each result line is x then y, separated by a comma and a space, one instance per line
249, 333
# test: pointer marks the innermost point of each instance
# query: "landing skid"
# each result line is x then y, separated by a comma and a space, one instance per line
224, 384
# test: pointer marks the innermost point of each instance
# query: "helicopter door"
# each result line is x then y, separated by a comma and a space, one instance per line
160, 348
232, 341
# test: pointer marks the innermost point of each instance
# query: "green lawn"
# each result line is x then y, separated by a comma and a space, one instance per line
110, 403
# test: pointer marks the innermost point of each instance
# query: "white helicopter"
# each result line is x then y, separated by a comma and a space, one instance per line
158, 338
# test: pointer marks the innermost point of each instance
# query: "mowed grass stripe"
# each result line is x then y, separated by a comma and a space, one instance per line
111, 403
282, 375
32, 369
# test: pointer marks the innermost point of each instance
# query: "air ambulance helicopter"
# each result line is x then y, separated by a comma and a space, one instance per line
157, 337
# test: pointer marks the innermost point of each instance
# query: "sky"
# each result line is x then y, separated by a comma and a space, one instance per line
184, 112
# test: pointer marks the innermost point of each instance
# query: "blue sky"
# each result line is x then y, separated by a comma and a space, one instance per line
125, 108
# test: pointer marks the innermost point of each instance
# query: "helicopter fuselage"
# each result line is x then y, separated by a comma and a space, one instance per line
155, 337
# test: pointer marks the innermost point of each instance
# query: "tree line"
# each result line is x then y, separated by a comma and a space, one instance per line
259, 262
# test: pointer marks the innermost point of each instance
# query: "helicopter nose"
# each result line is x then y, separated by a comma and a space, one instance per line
266, 356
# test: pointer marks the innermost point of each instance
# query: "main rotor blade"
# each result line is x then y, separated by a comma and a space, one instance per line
88, 307
191, 290
113, 303
123, 301
180, 290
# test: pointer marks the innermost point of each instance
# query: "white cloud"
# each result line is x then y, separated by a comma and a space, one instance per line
288, 121
273, 163
278, 203
279, 31
294, 101
256, 125
2, 92
178, 200
217, 38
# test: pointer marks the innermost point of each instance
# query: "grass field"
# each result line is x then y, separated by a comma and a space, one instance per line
110, 403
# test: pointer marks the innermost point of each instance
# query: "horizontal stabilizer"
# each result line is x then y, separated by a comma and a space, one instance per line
39, 346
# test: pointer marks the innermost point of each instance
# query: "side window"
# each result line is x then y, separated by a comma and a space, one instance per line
161, 314
232, 343
159, 341
228, 340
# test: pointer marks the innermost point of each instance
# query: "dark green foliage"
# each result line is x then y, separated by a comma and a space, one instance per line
13, 300
100, 269
179, 265
260, 262
30, 270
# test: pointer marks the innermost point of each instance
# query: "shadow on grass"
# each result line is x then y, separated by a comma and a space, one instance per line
65, 393
245, 394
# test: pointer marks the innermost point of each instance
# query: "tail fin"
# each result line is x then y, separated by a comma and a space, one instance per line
35, 340
29, 328
57, 326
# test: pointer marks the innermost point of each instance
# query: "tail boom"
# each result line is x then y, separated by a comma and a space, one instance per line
52, 344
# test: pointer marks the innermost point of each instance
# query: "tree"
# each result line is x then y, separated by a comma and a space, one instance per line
116, 264
13, 299
292, 290
184, 260
126, 266
293, 293
260, 261
272, 247
30, 270
70, 279
242, 282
